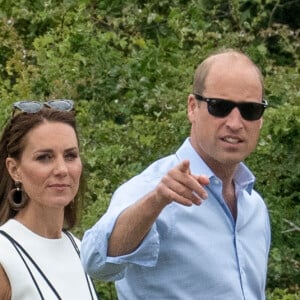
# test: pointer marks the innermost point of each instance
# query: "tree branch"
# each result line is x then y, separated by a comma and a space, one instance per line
293, 226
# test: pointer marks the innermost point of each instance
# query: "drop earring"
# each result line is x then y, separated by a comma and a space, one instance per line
16, 197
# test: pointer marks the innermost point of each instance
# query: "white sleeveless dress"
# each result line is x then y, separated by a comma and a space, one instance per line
56, 258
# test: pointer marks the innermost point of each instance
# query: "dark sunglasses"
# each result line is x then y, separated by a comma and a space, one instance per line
32, 107
221, 108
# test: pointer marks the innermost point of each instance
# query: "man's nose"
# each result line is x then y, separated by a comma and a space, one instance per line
234, 120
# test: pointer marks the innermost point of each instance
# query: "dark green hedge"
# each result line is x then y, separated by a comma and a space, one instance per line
129, 67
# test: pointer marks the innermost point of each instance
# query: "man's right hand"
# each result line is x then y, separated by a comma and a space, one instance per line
181, 186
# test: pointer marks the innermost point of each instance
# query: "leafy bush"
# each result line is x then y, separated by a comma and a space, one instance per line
277, 165
129, 66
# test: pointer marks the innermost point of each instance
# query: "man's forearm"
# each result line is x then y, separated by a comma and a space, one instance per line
132, 225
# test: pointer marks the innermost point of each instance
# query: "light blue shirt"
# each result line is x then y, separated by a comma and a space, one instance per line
191, 253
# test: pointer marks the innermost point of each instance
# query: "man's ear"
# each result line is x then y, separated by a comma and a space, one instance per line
261, 123
191, 107
13, 168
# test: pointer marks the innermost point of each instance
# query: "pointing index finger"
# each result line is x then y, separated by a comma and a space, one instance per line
184, 167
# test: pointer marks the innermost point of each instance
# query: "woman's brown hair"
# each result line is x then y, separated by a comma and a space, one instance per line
12, 144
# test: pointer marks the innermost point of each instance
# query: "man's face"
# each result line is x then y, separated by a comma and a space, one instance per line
229, 140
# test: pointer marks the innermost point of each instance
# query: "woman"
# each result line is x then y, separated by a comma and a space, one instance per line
40, 189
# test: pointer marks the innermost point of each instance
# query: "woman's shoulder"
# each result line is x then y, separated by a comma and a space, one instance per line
5, 233
73, 238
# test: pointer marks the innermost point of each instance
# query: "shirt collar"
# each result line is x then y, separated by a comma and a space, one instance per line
243, 176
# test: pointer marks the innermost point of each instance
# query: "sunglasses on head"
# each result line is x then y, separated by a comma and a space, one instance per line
221, 108
32, 107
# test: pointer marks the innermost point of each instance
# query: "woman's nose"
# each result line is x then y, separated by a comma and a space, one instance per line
60, 166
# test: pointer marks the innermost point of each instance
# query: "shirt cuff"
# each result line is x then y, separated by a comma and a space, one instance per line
94, 251
145, 255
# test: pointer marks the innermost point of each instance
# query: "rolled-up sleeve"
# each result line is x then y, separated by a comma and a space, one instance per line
95, 240
94, 251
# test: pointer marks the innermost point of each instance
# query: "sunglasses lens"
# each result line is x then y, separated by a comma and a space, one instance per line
251, 111
219, 108
63, 105
28, 106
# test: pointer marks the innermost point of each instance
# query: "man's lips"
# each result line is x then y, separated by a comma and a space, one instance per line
232, 139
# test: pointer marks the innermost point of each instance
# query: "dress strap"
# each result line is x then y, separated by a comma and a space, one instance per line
89, 281
19, 248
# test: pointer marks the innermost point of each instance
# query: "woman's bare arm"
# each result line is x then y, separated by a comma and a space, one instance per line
5, 289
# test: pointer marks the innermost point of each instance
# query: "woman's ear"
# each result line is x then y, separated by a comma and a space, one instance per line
13, 168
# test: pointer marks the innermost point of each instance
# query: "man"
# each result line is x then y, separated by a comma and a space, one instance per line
159, 238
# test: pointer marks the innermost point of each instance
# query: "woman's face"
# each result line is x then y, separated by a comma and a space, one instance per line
50, 166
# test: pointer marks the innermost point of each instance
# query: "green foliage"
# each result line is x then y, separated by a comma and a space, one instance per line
277, 165
129, 65
282, 294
